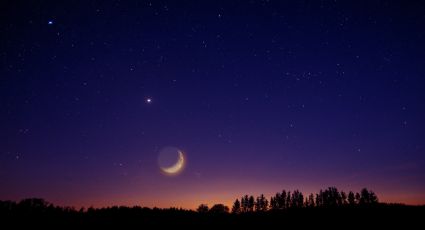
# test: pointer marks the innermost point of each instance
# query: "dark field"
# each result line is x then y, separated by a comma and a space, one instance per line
378, 215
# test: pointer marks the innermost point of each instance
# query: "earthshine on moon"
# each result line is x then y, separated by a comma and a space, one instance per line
171, 160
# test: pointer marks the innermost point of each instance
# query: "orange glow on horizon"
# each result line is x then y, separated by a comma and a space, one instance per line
192, 202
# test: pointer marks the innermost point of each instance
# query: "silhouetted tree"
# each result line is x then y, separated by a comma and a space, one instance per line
251, 203
344, 198
297, 199
331, 197
357, 196
33, 205
364, 196
257, 204
273, 203
351, 198
265, 204
245, 203
310, 201
373, 198
7, 205
288, 199
281, 200
262, 204
236, 207
367, 197
319, 198
202, 208
219, 209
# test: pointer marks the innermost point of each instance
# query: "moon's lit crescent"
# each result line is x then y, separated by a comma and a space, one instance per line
177, 167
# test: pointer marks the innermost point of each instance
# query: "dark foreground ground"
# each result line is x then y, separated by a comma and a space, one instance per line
380, 216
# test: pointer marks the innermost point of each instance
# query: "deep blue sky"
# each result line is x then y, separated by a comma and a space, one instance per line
259, 95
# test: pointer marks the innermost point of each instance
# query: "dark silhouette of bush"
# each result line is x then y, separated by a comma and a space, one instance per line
219, 209
202, 208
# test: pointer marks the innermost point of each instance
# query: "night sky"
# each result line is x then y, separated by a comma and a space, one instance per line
260, 96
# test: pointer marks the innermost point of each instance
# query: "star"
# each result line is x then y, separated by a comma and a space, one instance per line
148, 100
50, 22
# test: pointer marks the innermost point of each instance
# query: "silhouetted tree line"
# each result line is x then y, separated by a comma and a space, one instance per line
329, 197
327, 205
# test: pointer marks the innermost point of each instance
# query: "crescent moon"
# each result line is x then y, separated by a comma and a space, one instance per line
177, 167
